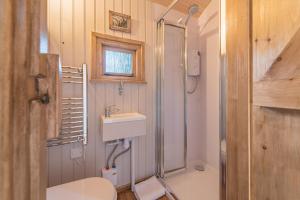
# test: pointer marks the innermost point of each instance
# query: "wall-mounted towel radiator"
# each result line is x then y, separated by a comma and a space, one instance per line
74, 109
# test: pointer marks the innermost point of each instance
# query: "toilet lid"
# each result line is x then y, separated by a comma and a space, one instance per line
95, 188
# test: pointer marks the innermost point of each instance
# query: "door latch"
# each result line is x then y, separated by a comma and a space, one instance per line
42, 98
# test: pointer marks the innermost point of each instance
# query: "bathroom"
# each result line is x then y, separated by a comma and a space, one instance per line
149, 99
70, 24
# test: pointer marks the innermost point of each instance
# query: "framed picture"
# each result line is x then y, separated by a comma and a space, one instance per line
119, 22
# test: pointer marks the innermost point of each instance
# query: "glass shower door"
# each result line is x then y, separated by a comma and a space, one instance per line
172, 98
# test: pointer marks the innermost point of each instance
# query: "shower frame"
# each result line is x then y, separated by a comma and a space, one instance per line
160, 41
159, 109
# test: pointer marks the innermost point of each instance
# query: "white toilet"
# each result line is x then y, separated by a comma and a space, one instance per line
94, 188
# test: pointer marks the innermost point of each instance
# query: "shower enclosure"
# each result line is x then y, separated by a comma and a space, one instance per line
171, 99
185, 179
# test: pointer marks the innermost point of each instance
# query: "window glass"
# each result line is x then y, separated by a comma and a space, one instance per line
118, 62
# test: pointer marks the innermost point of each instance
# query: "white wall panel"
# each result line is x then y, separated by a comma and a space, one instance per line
70, 25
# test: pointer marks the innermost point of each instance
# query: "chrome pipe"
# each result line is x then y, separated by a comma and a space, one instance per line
70, 72
76, 82
72, 98
68, 118
72, 77
65, 138
85, 103
71, 132
76, 122
159, 100
63, 143
72, 127
69, 67
75, 108
72, 113
71, 104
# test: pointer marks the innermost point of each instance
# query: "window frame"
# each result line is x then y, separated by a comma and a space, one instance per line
100, 42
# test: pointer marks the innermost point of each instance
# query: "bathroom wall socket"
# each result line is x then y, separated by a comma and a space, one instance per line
76, 152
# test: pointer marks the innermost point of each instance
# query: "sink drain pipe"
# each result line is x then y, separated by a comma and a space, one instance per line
110, 155
118, 155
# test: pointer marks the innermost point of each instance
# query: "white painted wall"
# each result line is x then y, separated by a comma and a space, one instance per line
209, 84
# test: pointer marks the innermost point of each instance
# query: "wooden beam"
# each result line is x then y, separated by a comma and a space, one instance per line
22, 140
280, 86
238, 98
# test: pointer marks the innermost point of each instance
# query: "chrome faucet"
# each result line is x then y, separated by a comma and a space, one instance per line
111, 109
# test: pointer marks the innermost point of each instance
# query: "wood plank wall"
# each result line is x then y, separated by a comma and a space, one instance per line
70, 25
275, 136
238, 98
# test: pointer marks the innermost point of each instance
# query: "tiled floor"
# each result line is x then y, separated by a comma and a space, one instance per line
195, 185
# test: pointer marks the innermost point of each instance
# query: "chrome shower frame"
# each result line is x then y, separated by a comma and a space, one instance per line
160, 40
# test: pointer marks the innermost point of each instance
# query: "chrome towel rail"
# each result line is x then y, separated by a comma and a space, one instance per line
74, 109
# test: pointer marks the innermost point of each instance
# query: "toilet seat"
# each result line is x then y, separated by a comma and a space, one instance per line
94, 188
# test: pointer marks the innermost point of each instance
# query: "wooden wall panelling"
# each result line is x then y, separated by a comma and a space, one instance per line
100, 20
274, 23
125, 159
90, 162
126, 10
134, 20
275, 154
109, 5
134, 99
78, 59
101, 23
54, 25
100, 157
142, 91
118, 7
67, 56
280, 85
274, 141
150, 73
238, 98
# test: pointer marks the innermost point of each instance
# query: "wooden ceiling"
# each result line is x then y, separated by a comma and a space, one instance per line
183, 5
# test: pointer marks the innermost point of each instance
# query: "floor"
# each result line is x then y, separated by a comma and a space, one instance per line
193, 184
128, 195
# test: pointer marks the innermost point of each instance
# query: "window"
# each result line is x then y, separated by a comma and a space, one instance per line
117, 59
118, 62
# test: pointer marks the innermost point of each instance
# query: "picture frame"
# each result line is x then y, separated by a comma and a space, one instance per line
119, 22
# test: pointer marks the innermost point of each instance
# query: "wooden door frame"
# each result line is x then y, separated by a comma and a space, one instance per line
22, 140
238, 98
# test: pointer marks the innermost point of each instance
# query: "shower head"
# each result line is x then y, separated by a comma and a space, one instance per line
193, 9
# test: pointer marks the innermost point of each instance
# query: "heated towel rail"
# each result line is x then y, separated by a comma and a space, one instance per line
74, 109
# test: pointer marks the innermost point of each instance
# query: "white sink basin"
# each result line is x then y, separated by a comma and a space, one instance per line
125, 125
